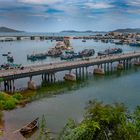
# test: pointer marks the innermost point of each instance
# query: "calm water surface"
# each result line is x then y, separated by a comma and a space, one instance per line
119, 87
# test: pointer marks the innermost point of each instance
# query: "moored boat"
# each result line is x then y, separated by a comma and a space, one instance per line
10, 66
29, 127
135, 44
54, 52
37, 56
110, 51
4, 54
83, 40
10, 59
87, 52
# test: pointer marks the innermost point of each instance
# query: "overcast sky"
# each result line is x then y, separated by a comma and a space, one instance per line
58, 15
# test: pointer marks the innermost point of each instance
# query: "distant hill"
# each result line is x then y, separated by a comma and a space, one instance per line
88, 31
128, 30
5, 29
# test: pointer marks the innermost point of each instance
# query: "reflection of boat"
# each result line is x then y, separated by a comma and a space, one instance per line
120, 66
110, 51
29, 127
70, 77
137, 63
99, 71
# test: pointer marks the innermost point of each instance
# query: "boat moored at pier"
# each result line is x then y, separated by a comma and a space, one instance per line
110, 51
37, 56
87, 52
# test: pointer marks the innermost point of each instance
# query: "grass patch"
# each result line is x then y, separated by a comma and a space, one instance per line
8, 102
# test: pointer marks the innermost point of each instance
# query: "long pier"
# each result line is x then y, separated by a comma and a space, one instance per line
50, 69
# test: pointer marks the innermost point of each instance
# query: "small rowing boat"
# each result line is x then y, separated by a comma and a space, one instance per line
29, 127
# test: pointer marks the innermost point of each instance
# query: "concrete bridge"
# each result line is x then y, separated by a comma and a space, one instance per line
49, 70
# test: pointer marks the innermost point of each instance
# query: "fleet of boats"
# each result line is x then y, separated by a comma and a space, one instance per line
6, 66
72, 55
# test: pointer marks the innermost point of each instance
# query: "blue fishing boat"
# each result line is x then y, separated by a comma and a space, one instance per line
35, 57
135, 44
110, 51
10, 59
87, 53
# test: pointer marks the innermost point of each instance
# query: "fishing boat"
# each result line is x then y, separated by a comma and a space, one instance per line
135, 44
10, 59
4, 54
54, 52
10, 66
37, 56
87, 52
29, 127
83, 40
66, 57
69, 52
110, 51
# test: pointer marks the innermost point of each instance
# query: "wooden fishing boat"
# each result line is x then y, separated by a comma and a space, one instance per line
29, 128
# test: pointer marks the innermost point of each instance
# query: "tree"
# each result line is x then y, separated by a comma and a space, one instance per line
104, 122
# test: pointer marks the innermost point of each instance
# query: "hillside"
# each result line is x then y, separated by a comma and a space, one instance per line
128, 30
5, 29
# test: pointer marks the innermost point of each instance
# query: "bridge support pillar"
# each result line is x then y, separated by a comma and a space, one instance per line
86, 71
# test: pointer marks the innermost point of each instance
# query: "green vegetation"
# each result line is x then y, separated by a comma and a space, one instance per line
8, 102
104, 122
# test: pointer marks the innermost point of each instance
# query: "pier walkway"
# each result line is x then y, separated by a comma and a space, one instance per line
30, 71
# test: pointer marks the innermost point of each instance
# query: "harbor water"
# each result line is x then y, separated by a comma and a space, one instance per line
122, 87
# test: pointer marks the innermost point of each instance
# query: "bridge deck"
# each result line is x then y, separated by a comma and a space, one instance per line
61, 66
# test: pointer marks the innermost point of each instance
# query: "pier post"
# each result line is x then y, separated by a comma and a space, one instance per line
10, 85
76, 73
86, 71
105, 67
83, 71
111, 67
51, 78
13, 85
80, 72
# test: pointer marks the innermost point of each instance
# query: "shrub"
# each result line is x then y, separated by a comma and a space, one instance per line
10, 104
17, 96
2, 96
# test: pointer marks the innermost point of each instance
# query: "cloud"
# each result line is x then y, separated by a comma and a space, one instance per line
134, 3
100, 5
46, 2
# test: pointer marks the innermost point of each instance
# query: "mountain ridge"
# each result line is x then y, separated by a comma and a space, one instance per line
7, 30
